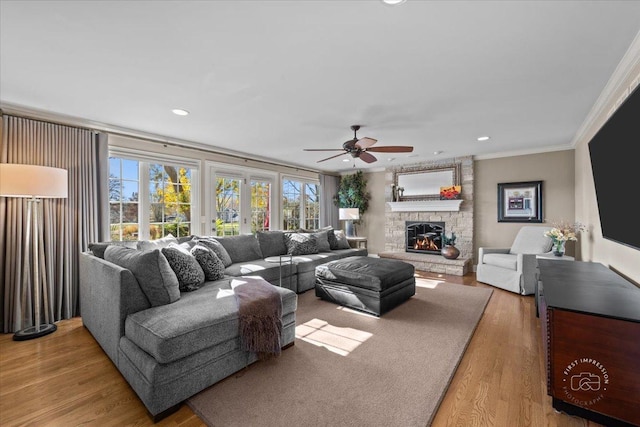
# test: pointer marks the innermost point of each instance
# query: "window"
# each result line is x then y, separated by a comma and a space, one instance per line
149, 200
300, 204
124, 190
242, 200
169, 200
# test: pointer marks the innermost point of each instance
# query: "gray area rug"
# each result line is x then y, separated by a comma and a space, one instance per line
353, 369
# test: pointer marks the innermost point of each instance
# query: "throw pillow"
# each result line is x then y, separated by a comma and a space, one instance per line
152, 271
147, 245
322, 241
242, 248
333, 240
211, 265
271, 243
300, 244
217, 249
341, 239
98, 248
188, 271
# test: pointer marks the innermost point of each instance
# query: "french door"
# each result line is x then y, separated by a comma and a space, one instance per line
240, 201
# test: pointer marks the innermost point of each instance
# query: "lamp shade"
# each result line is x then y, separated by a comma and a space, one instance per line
17, 180
348, 214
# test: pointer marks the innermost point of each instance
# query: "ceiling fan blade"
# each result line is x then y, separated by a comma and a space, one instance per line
365, 142
322, 149
366, 157
392, 149
328, 158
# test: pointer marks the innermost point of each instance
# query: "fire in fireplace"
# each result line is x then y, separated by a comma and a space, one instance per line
424, 237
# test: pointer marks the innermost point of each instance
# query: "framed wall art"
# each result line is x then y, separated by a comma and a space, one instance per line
520, 201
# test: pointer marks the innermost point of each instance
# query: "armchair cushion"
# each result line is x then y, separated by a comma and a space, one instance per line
508, 261
531, 240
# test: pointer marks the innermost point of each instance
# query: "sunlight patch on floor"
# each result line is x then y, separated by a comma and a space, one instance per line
361, 313
338, 340
427, 283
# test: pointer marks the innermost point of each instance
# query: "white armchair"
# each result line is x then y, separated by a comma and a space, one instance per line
516, 268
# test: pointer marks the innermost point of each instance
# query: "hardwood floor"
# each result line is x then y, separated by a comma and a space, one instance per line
65, 379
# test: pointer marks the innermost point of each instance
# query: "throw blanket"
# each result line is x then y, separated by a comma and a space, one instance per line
260, 313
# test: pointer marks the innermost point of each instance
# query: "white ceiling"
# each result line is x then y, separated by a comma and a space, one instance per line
274, 77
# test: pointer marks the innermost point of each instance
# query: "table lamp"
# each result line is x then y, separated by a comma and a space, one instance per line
349, 215
33, 183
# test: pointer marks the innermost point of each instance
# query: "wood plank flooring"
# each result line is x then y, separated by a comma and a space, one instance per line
65, 379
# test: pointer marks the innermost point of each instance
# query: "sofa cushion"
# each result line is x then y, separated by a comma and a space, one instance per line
152, 271
188, 271
212, 266
270, 271
271, 243
216, 247
244, 247
322, 240
201, 319
300, 243
340, 242
147, 245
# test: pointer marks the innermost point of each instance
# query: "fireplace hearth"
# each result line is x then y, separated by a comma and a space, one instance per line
424, 236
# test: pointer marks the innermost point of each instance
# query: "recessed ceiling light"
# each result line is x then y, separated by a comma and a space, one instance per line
180, 112
346, 160
394, 2
483, 138
437, 152
391, 159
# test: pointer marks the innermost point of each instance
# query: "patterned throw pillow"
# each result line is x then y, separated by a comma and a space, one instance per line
188, 271
211, 265
217, 249
300, 244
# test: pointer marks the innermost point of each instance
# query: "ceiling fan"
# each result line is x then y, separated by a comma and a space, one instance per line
359, 148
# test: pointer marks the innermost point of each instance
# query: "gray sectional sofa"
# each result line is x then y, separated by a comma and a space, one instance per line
171, 344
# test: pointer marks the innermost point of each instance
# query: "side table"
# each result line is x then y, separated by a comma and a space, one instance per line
282, 260
357, 242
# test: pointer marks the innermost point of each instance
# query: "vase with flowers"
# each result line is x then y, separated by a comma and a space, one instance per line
561, 233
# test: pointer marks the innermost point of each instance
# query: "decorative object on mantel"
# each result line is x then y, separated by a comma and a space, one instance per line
563, 232
449, 250
452, 192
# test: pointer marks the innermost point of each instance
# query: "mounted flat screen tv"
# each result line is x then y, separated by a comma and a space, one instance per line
616, 172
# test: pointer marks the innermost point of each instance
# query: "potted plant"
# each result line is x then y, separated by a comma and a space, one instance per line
352, 193
449, 250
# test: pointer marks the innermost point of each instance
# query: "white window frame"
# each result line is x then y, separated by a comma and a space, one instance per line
146, 158
303, 180
246, 175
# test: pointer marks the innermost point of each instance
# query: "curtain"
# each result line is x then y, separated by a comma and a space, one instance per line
328, 210
66, 225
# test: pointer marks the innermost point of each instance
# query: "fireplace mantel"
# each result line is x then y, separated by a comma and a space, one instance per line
425, 206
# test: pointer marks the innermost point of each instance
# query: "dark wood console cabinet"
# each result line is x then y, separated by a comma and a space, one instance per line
590, 322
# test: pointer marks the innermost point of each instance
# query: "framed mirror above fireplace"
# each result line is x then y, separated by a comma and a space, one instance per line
424, 184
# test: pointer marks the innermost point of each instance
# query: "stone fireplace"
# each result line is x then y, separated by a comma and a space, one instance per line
456, 218
424, 237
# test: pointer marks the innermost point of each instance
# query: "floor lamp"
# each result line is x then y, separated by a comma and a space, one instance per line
33, 183
349, 215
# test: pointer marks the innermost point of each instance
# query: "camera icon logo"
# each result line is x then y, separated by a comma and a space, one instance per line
585, 381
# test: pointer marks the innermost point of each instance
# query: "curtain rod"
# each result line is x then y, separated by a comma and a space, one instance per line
156, 140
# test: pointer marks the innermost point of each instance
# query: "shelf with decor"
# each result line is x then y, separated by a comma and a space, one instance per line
426, 205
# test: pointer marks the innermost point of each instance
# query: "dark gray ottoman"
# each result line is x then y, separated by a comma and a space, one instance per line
374, 285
